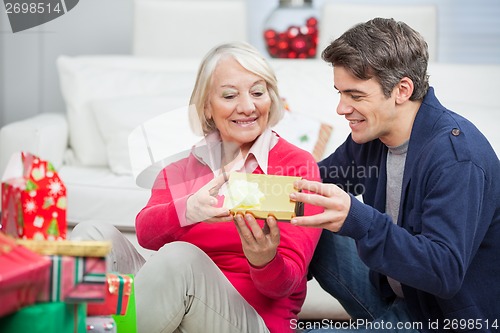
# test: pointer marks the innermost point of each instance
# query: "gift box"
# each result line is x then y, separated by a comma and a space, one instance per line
47, 318
75, 279
62, 279
77, 271
23, 274
118, 290
262, 195
33, 199
80, 248
128, 323
90, 272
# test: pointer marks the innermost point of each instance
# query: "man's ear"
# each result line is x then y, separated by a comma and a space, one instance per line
404, 90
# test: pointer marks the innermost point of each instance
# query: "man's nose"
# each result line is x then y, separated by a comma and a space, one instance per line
344, 108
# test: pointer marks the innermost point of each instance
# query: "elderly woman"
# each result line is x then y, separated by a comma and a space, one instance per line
215, 272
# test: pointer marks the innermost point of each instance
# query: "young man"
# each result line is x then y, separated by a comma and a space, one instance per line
422, 252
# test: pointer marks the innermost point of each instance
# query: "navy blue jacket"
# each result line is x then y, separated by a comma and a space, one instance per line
445, 248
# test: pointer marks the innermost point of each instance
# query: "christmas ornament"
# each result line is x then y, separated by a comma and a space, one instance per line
291, 31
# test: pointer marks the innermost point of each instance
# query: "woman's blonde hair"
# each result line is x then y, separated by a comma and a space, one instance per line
250, 59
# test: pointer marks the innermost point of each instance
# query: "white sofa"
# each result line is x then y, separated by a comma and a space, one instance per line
108, 96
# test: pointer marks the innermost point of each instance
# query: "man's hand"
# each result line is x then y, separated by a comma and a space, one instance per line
335, 201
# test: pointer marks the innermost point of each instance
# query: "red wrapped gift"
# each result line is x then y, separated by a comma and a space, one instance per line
75, 279
33, 199
78, 269
90, 274
118, 290
23, 274
62, 279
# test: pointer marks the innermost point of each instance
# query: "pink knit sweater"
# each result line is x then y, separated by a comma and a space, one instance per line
277, 291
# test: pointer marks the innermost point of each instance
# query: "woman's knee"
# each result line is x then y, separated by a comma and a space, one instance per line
182, 253
93, 230
178, 257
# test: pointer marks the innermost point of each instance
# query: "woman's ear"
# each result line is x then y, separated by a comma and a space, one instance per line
404, 90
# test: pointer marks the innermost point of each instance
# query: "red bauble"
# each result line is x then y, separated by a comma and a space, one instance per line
294, 42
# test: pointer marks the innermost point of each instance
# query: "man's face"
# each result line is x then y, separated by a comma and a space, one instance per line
370, 113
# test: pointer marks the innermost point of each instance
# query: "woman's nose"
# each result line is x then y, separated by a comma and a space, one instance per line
246, 105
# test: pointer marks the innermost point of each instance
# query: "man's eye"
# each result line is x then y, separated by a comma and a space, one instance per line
355, 97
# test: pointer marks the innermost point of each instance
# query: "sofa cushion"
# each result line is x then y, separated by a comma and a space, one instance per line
97, 194
87, 79
118, 117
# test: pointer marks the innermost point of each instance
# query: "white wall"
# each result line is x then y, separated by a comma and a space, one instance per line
469, 32
28, 77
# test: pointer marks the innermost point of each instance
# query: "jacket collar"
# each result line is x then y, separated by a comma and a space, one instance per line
423, 126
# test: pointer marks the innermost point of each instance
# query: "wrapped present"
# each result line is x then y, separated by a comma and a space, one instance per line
101, 324
80, 248
127, 323
23, 274
262, 195
76, 280
77, 271
62, 279
33, 199
47, 318
118, 290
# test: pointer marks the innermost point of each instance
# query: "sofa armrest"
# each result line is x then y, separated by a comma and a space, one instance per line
44, 135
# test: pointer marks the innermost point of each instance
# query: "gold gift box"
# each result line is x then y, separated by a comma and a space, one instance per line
276, 200
87, 248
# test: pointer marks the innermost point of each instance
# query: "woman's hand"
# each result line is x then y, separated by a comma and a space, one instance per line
336, 202
202, 205
259, 245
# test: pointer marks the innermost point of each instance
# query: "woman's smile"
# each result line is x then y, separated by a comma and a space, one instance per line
245, 122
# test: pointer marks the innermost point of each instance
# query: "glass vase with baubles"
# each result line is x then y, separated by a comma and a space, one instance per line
291, 30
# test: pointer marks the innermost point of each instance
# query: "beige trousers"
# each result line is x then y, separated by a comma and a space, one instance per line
178, 289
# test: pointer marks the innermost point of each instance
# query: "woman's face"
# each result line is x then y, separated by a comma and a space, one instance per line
238, 103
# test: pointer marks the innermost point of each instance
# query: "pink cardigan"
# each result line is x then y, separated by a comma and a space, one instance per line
277, 291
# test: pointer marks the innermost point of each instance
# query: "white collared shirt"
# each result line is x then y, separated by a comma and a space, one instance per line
209, 152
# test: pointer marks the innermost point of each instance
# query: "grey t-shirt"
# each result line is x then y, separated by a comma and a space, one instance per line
396, 159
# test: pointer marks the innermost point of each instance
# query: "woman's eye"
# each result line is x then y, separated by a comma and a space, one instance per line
258, 91
229, 95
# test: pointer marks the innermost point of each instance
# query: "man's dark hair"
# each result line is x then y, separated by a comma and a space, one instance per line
385, 50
